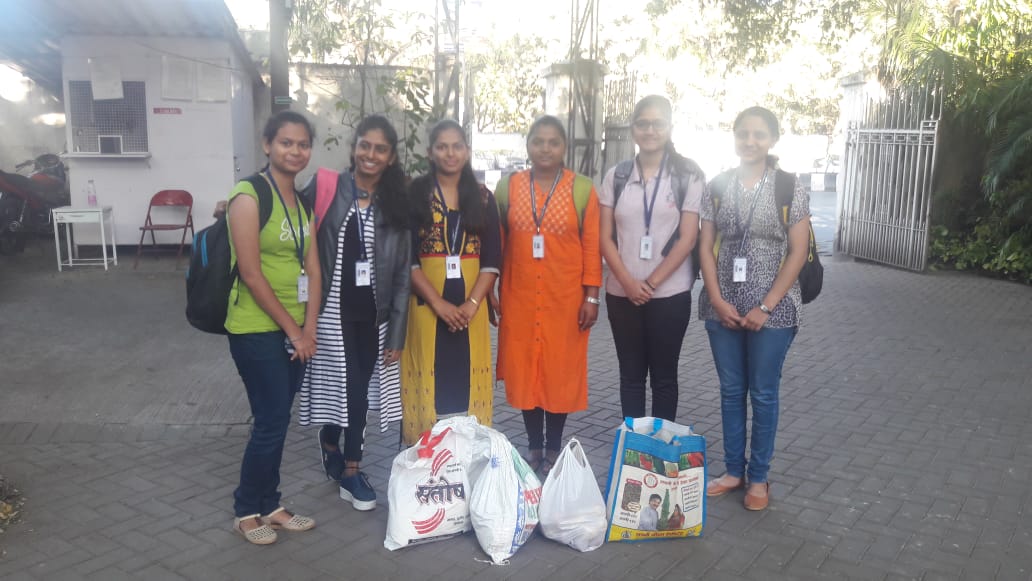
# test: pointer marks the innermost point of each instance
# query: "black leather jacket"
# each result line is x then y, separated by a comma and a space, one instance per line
392, 257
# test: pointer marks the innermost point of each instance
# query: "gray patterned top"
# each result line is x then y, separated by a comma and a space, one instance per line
766, 247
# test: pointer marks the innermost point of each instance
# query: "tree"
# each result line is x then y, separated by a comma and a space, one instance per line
980, 53
718, 57
507, 83
356, 32
362, 34
748, 34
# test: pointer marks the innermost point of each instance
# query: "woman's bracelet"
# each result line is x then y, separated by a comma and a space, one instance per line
475, 302
649, 284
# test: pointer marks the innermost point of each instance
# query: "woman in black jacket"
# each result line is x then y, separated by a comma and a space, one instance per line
365, 252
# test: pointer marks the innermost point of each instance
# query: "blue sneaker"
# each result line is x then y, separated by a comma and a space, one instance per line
358, 490
332, 462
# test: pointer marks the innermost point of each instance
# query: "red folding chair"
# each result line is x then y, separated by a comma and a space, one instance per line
167, 199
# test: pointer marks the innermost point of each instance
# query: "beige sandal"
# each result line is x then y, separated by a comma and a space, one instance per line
260, 535
296, 523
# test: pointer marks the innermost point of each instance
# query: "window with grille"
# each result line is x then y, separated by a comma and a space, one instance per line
112, 126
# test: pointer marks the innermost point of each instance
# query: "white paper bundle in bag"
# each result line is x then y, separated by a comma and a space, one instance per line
428, 490
504, 503
572, 509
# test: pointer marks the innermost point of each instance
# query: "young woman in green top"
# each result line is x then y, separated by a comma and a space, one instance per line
271, 320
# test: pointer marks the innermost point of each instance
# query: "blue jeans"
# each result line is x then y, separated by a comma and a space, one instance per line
271, 380
749, 365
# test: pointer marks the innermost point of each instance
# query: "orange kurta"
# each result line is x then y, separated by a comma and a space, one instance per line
542, 354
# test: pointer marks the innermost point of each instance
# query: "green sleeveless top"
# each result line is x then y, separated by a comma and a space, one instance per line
279, 265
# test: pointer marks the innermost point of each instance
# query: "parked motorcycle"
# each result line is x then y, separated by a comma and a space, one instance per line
26, 201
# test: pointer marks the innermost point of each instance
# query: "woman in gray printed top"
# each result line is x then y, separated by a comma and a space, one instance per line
649, 225
751, 303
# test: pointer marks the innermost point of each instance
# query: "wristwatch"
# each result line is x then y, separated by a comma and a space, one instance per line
764, 308
592, 300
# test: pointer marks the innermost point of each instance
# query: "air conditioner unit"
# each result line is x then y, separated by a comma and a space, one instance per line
110, 144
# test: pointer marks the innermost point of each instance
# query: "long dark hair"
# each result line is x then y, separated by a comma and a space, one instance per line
273, 125
679, 164
390, 191
471, 202
769, 119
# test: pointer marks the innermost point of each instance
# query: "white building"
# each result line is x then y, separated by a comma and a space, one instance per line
157, 95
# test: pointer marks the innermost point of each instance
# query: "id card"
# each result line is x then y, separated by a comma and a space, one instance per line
645, 251
539, 246
738, 274
363, 273
451, 267
302, 288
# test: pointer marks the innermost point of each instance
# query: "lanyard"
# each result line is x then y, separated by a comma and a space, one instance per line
752, 209
299, 245
453, 249
361, 225
650, 205
533, 199
361, 220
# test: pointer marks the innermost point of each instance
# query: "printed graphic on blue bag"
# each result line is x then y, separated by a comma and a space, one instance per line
659, 466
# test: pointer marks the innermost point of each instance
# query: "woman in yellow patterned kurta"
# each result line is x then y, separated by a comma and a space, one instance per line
446, 364
549, 295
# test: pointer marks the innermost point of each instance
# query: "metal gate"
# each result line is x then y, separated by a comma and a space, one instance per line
889, 167
619, 103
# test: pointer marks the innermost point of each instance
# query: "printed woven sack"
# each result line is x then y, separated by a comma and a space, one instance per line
428, 490
657, 481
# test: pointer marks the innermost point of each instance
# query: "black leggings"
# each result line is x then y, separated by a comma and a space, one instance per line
648, 341
361, 348
539, 423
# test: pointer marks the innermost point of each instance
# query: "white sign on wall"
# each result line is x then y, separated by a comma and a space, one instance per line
213, 80
177, 78
105, 79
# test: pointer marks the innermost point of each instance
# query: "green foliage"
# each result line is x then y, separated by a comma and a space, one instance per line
720, 56
985, 250
996, 242
356, 32
506, 82
406, 94
359, 33
966, 45
756, 33
980, 53
1009, 123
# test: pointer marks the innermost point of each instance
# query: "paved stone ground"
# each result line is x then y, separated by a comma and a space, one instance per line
903, 451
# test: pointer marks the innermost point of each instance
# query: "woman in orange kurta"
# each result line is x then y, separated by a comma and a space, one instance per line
552, 270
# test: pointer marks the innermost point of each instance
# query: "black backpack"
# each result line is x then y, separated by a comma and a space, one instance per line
212, 273
811, 277
679, 180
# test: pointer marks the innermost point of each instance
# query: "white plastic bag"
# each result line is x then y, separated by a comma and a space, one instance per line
428, 490
572, 509
504, 503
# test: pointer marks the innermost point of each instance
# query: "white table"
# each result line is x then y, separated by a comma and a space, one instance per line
69, 215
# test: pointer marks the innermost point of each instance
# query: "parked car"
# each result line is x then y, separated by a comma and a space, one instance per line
824, 175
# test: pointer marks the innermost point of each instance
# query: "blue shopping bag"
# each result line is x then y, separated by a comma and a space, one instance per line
657, 481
